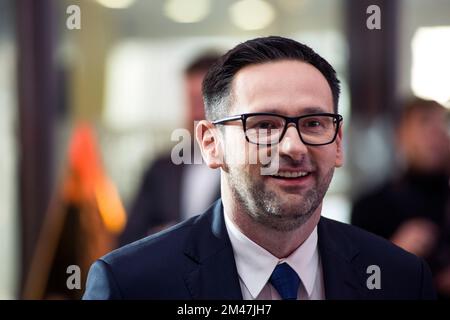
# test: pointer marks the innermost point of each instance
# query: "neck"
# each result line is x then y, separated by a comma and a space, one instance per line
279, 243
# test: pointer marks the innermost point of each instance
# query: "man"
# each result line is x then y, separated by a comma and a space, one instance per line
412, 209
170, 193
265, 239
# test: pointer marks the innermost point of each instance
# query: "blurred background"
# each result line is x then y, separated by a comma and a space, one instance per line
91, 91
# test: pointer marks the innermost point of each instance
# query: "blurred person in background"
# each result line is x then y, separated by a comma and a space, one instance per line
413, 208
170, 193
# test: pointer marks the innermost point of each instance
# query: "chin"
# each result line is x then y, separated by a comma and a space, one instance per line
290, 196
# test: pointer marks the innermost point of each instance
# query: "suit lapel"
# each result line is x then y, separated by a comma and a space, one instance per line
337, 252
214, 275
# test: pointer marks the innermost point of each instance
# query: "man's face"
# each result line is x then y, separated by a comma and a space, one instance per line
290, 88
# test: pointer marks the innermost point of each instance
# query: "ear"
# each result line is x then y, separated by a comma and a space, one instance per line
339, 149
209, 140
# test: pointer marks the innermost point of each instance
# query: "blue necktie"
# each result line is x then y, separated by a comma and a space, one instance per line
286, 281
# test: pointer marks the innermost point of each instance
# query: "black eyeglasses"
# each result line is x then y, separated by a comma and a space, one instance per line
269, 128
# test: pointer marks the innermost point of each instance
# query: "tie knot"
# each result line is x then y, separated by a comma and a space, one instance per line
286, 281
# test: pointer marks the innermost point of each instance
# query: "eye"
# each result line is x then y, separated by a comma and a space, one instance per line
266, 125
313, 123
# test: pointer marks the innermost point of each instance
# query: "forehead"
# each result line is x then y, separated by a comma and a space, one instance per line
287, 87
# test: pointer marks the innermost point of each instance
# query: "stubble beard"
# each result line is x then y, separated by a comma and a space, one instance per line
272, 210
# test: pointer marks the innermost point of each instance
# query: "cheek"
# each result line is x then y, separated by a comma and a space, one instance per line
236, 148
325, 159
246, 157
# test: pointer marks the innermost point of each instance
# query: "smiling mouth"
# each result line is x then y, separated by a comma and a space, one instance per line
290, 174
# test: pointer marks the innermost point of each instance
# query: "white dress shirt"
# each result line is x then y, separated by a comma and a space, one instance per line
255, 266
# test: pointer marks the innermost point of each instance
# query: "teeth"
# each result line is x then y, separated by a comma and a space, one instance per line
289, 174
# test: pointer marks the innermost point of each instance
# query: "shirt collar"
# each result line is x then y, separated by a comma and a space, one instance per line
255, 264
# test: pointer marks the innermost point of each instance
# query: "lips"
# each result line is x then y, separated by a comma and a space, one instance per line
292, 180
291, 174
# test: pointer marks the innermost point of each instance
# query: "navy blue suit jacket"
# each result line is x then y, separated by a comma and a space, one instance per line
194, 260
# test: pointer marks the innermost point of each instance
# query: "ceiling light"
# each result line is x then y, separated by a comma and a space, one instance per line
116, 4
252, 14
187, 11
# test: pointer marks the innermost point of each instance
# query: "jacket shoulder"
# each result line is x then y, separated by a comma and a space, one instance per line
145, 268
369, 244
168, 243
403, 275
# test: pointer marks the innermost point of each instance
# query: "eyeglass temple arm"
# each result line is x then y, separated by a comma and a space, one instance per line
231, 118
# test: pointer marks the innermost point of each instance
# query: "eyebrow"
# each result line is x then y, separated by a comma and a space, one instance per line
315, 109
307, 110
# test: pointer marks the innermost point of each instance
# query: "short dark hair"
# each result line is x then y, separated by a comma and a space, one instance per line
217, 83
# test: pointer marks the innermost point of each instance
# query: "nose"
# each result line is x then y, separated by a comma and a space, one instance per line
291, 145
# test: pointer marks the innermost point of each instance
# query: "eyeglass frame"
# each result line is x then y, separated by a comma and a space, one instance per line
243, 117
